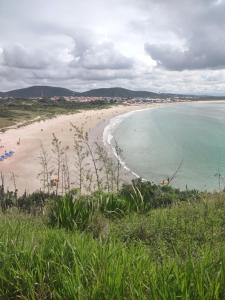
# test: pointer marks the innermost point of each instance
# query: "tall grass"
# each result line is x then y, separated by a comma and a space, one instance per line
71, 212
75, 211
178, 254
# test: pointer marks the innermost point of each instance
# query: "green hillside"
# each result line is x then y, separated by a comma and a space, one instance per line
144, 242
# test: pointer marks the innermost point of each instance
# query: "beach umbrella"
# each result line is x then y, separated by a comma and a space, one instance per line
10, 153
6, 155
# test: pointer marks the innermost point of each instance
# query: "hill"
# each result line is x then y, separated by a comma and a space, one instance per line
39, 91
168, 245
118, 92
48, 91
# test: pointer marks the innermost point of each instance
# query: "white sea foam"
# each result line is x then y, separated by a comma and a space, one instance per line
108, 135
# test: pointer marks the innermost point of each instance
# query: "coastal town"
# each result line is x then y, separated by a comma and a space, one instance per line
118, 100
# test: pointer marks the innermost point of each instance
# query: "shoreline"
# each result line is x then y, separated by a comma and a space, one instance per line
26, 142
99, 134
25, 163
127, 173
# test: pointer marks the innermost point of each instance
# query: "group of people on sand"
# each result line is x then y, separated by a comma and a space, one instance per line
6, 155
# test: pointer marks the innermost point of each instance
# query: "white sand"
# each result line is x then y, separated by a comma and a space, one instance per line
25, 163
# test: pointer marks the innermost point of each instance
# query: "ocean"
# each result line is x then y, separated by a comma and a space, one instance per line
185, 137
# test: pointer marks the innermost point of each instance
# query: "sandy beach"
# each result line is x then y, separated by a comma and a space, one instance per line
26, 142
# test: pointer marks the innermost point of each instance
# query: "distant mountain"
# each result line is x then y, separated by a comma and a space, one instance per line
117, 92
49, 91
39, 91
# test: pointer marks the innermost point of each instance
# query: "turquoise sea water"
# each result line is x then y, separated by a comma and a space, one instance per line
155, 141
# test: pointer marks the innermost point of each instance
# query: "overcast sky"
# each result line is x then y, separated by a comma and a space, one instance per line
156, 45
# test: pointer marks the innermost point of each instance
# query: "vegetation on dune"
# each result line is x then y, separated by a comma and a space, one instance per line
16, 111
74, 211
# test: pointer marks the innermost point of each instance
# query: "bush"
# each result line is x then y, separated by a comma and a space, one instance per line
113, 205
74, 211
33, 203
144, 196
70, 212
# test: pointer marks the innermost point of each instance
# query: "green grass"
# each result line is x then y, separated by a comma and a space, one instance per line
17, 111
175, 252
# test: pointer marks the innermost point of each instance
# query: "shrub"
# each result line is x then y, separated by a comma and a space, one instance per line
144, 196
33, 203
70, 212
113, 205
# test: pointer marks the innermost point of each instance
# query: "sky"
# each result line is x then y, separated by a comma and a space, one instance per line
175, 46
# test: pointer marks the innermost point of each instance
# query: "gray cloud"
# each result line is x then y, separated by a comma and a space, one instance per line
199, 25
201, 54
142, 44
99, 56
19, 57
